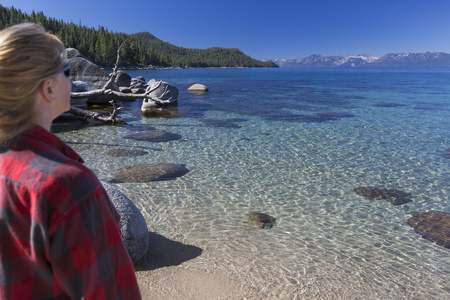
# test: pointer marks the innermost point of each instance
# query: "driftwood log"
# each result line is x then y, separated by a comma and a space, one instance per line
108, 92
87, 114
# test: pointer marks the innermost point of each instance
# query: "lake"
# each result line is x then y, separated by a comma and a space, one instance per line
295, 144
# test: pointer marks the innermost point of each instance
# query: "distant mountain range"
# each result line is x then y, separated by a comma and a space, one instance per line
403, 60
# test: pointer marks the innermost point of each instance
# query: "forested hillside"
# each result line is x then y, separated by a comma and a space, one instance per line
140, 49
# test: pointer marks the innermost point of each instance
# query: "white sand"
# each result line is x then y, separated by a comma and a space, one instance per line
165, 277
176, 282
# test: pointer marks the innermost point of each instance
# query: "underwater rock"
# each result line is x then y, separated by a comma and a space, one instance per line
446, 153
315, 118
433, 226
259, 220
219, 123
395, 197
126, 152
388, 104
140, 127
150, 172
154, 136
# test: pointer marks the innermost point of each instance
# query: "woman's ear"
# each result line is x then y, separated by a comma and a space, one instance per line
46, 90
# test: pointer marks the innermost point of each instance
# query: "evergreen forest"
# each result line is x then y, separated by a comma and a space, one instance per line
142, 49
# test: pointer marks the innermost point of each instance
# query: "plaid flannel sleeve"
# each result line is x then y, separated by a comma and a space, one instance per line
88, 257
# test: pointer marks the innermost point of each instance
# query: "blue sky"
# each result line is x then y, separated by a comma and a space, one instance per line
268, 29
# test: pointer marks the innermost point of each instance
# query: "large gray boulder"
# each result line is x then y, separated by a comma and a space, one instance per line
82, 69
133, 227
162, 90
123, 79
162, 94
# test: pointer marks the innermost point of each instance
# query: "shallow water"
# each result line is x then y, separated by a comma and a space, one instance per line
295, 143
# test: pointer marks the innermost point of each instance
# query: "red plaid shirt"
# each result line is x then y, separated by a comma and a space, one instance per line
59, 235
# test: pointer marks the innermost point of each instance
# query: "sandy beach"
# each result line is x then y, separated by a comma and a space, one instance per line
165, 278
178, 283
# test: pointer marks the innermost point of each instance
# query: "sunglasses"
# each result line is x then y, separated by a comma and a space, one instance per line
65, 70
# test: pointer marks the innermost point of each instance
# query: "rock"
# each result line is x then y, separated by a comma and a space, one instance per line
159, 91
133, 227
125, 90
433, 226
162, 90
395, 197
315, 118
139, 85
79, 86
150, 172
123, 79
154, 136
446, 153
82, 69
259, 220
197, 87
138, 90
126, 152
138, 82
388, 104
219, 123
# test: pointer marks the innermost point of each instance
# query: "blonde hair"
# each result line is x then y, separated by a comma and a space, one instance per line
28, 56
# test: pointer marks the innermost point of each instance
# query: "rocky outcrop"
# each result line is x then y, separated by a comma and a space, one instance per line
133, 227
156, 94
82, 69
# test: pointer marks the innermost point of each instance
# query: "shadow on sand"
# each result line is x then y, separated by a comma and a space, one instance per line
163, 252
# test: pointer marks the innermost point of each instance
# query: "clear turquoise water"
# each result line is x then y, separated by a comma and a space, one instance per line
299, 142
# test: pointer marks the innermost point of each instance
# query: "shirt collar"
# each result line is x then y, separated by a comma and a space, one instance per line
39, 132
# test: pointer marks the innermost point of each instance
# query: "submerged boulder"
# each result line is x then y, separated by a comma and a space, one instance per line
259, 220
118, 152
395, 197
150, 172
433, 226
219, 123
133, 227
446, 153
154, 136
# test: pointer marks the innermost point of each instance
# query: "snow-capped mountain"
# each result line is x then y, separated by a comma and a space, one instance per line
424, 59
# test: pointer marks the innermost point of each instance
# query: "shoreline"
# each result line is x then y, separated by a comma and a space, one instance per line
177, 282
166, 277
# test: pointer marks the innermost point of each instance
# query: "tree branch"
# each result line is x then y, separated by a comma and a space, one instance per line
87, 114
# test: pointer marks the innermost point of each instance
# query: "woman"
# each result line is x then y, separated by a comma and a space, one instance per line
59, 236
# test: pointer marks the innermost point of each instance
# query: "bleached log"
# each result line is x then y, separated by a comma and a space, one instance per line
87, 114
